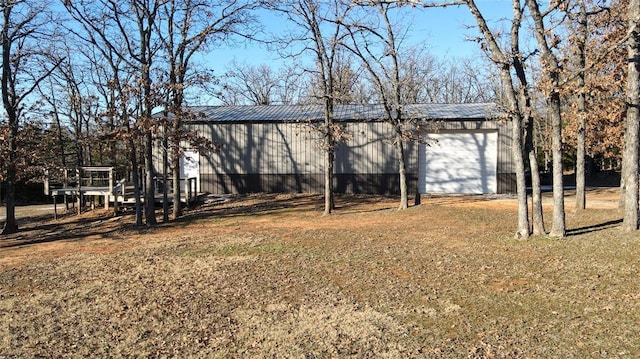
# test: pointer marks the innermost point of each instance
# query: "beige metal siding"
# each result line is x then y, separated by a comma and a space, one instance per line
280, 156
370, 149
262, 148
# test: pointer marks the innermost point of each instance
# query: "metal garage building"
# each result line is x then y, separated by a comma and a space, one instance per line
275, 149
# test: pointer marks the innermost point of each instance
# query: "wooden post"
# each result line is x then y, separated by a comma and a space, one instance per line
115, 204
55, 209
65, 184
79, 191
107, 196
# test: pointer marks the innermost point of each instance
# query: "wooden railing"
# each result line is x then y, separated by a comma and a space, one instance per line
190, 188
100, 181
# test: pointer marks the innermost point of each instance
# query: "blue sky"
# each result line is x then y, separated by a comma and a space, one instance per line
442, 30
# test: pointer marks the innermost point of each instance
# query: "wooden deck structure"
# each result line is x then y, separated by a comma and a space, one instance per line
99, 182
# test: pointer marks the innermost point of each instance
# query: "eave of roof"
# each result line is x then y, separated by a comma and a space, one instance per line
342, 113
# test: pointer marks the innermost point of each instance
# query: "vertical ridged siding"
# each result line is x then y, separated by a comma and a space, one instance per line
286, 157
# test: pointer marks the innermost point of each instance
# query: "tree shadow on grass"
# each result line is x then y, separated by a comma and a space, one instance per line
269, 204
594, 228
364, 203
249, 205
42, 229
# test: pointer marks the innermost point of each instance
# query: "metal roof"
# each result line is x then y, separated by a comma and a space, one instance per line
342, 113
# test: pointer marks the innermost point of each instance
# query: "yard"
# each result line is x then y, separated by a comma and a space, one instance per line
268, 276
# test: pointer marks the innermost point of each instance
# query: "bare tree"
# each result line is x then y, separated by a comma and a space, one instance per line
122, 38
190, 26
632, 128
24, 36
127, 29
379, 52
418, 73
516, 109
579, 52
454, 80
551, 69
249, 84
68, 96
322, 31
290, 85
246, 84
346, 80
581, 57
143, 51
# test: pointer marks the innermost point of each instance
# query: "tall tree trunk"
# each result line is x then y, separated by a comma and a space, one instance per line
582, 111
402, 168
175, 171
632, 146
581, 197
515, 113
551, 70
175, 140
176, 130
11, 224
330, 148
12, 111
537, 214
61, 142
328, 183
558, 228
136, 181
518, 159
150, 193
165, 170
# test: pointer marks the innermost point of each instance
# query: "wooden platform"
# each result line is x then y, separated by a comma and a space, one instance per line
100, 182
104, 192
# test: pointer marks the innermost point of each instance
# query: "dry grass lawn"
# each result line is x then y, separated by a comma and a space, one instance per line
268, 276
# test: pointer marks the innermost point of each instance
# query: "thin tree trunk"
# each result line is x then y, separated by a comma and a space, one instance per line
515, 113
175, 168
558, 228
328, 182
581, 197
11, 224
521, 182
176, 128
402, 170
176, 82
537, 213
150, 197
61, 148
519, 116
551, 70
582, 114
11, 109
165, 170
136, 182
330, 151
632, 133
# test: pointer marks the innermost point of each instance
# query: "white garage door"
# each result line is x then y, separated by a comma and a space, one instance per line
459, 162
